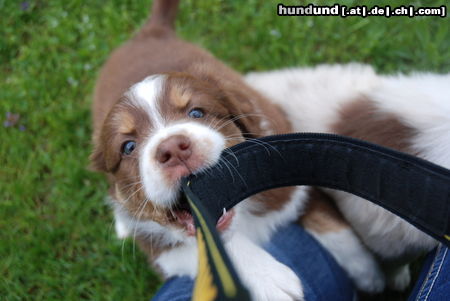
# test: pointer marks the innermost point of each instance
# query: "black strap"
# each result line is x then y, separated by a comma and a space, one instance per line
412, 188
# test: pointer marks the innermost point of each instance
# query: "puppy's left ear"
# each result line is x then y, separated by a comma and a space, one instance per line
97, 160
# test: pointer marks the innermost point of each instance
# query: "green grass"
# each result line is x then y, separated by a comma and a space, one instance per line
56, 236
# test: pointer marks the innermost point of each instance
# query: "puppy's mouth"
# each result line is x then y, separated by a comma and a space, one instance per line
182, 216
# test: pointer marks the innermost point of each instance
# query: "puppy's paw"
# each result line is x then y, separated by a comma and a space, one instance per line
265, 277
354, 258
368, 279
400, 278
364, 271
273, 281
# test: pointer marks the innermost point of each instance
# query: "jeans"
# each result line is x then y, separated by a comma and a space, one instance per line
434, 280
322, 278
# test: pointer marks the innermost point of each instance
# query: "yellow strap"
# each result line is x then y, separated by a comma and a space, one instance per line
227, 281
204, 289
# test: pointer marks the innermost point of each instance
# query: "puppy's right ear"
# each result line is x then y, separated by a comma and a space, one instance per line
97, 159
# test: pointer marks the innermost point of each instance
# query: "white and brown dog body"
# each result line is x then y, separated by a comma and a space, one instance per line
164, 108
406, 113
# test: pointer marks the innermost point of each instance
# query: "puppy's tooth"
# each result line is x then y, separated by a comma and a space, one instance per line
221, 218
190, 227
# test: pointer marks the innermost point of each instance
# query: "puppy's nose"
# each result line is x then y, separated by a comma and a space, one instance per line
174, 150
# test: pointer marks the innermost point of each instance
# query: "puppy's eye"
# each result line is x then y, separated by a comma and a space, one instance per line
196, 113
128, 147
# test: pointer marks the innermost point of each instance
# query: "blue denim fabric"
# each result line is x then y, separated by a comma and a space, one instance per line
321, 277
175, 289
434, 280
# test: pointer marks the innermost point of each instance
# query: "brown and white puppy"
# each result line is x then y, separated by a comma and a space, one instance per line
164, 109
407, 113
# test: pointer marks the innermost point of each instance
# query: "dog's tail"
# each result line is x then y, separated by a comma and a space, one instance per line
163, 15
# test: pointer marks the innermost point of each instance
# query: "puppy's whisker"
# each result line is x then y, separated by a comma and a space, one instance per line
231, 153
135, 227
139, 209
137, 190
126, 179
266, 145
236, 171
229, 169
237, 118
225, 123
217, 122
132, 184
130, 178
219, 163
242, 134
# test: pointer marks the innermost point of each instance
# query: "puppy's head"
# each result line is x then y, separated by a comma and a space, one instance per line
164, 128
